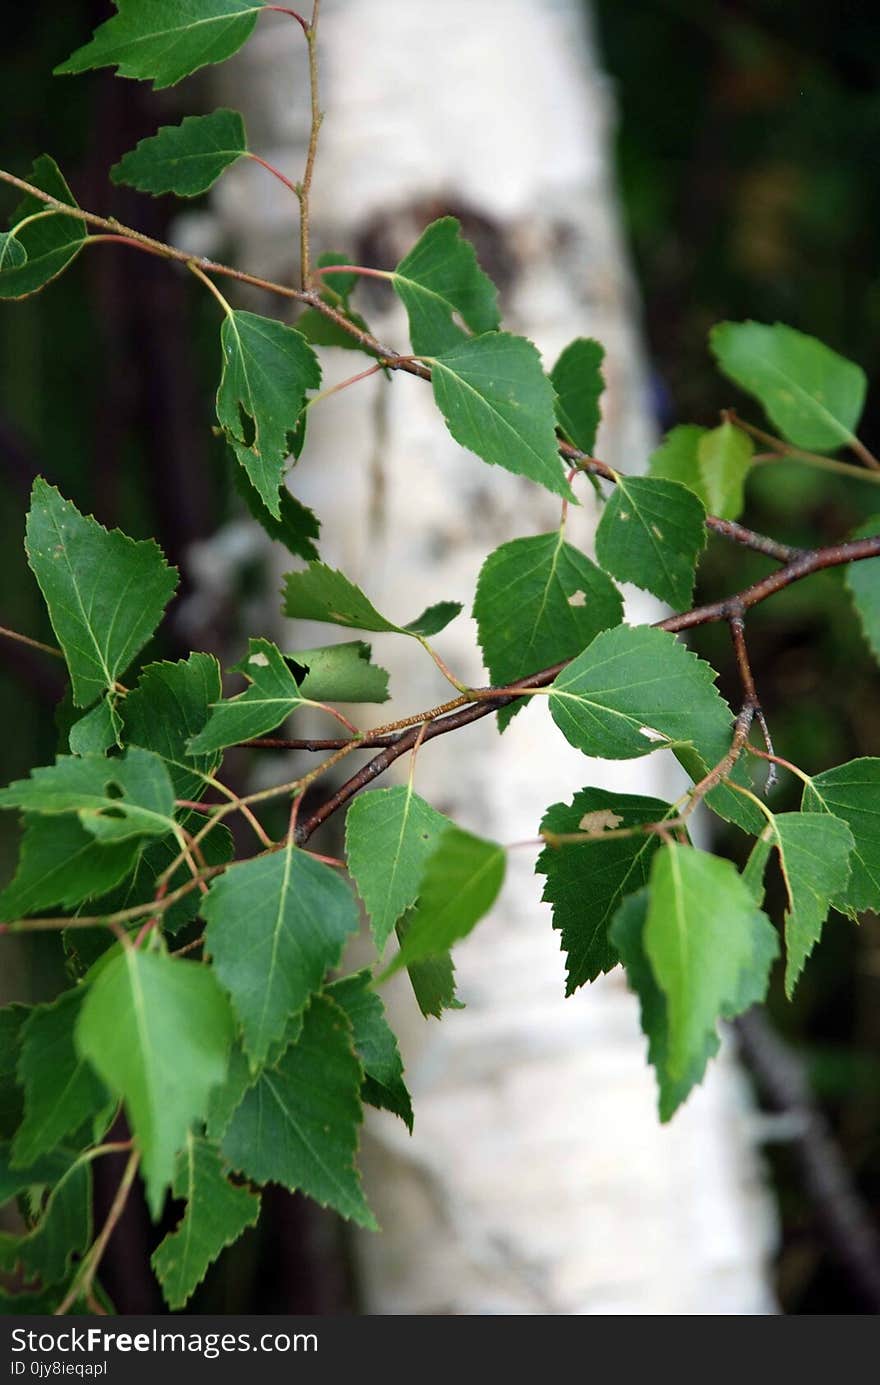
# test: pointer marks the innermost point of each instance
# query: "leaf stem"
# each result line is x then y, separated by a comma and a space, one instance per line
209, 283
276, 172
34, 644
84, 1278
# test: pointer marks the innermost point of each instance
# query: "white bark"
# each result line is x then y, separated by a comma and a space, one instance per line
538, 1179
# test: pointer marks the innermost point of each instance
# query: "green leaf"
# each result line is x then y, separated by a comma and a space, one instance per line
340, 673
701, 934
130, 796
273, 694
299, 914
432, 979
852, 792
677, 459
12, 1021
216, 1214
297, 528
460, 883
498, 403
389, 836
628, 935
169, 707
225, 1099
863, 581
440, 276
539, 601
105, 592
158, 1031
98, 730
30, 1183
812, 395
586, 881
652, 533
635, 688
322, 593
725, 458
814, 851
166, 40
186, 159
298, 1124
64, 1228
577, 380
12, 252
60, 863
755, 867
267, 369
374, 1044
39, 252
61, 1089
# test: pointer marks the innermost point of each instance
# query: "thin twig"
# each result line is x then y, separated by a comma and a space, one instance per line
305, 187
85, 1276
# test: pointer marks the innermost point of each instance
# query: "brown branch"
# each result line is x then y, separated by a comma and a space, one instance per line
305, 187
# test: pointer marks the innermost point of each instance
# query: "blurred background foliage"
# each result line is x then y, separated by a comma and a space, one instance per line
746, 158
747, 165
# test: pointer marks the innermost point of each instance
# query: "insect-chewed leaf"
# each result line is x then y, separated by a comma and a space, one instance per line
812, 395
628, 936
374, 1044
705, 940
389, 836
586, 881
577, 380
273, 694
33, 256
158, 1031
725, 457
460, 883
498, 403
323, 593
166, 40
863, 582
299, 914
298, 1124
62, 1090
216, 1214
186, 159
130, 796
634, 689
814, 851
267, 369
852, 792
539, 601
340, 673
438, 277
170, 706
105, 592
652, 533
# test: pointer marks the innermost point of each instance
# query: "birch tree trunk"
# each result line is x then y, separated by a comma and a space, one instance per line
538, 1179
